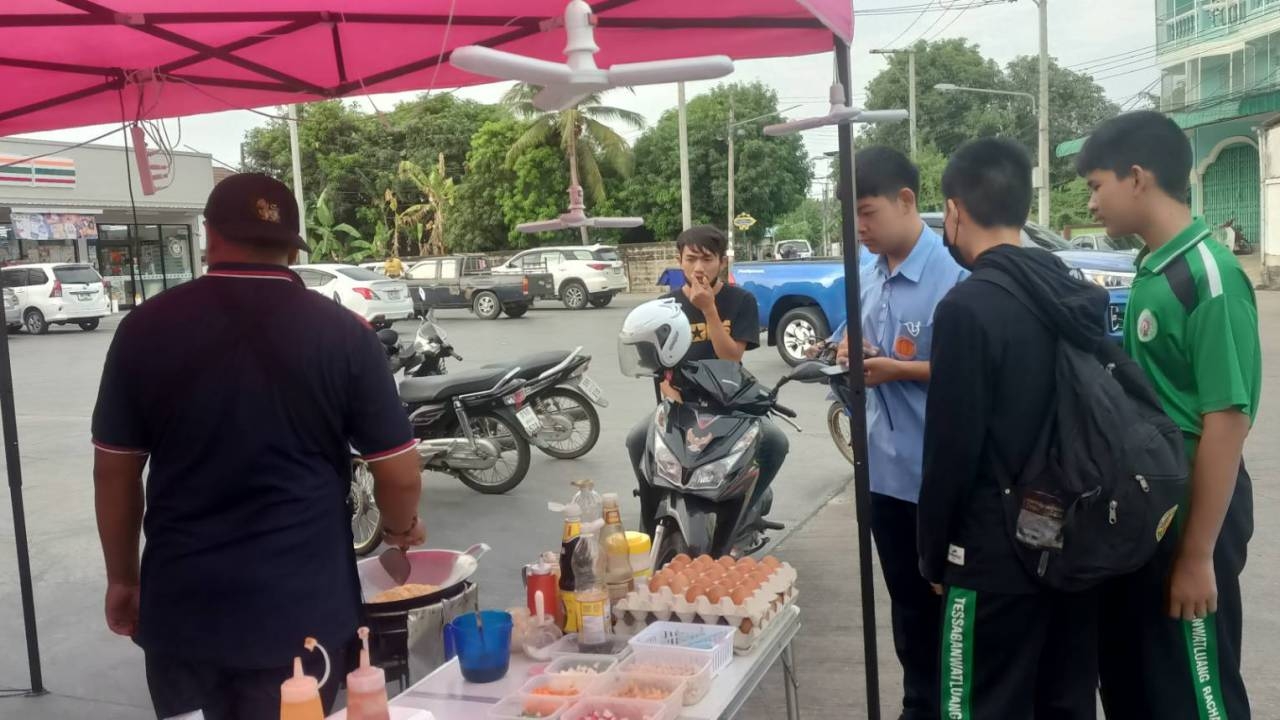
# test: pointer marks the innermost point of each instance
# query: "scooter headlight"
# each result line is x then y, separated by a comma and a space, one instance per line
712, 475
666, 467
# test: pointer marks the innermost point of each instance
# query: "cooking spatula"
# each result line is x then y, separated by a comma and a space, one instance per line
396, 563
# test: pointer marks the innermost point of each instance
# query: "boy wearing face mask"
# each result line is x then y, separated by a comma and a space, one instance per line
1011, 648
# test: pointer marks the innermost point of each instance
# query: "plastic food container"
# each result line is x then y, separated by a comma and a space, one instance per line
677, 662
568, 645
668, 689
519, 707
621, 709
569, 687
715, 642
639, 545
574, 665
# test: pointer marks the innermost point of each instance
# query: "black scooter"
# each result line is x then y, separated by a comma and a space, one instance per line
699, 465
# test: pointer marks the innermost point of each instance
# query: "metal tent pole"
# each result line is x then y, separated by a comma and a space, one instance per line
857, 385
13, 465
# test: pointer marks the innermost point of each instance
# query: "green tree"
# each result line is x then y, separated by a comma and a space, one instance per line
530, 197
803, 223
772, 174
1070, 204
583, 134
330, 240
437, 194
931, 164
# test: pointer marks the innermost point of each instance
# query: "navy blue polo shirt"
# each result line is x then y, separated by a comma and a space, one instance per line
247, 392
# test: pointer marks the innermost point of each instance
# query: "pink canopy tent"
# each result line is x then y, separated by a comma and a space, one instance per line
67, 63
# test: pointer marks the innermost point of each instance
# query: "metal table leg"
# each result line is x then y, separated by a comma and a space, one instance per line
792, 683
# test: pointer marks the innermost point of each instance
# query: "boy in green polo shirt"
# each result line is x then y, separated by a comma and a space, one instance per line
1171, 632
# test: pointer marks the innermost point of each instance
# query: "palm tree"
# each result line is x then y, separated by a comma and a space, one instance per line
580, 131
438, 191
327, 242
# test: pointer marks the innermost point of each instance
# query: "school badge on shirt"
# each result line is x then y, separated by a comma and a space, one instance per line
1147, 326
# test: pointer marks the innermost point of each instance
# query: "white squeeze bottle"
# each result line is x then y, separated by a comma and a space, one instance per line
367, 687
300, 694
618, 575
594, 627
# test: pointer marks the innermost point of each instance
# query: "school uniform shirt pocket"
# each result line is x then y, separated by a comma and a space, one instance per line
913, 340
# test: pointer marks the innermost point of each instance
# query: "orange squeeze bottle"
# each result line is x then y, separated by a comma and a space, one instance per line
300, 694
367, 687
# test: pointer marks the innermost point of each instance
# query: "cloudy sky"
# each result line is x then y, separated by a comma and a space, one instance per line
1112, 39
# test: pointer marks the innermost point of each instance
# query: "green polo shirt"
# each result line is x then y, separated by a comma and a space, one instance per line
1192, 324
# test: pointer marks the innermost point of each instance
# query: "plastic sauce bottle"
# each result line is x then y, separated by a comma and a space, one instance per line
618, 575
568, 543
588, 500
595, 626
367, 687
300, 694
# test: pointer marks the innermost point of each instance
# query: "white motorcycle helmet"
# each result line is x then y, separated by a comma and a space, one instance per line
655, 336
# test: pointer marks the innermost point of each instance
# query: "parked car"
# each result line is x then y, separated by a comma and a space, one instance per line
802, 301
57, 294
582, 274
364, 292
467, 281
789, 250
12, 314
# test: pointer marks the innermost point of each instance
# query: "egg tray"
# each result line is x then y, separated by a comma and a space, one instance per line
640, 607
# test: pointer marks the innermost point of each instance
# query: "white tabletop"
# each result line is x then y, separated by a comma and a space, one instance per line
449, 697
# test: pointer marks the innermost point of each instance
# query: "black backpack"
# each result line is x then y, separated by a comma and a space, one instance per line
1108, 472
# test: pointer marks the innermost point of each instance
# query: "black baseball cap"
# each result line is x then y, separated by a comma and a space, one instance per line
254, 209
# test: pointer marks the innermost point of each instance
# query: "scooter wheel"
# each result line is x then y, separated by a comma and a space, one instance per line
513, 456
578, 411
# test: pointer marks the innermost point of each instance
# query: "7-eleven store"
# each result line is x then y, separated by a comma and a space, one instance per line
73, 205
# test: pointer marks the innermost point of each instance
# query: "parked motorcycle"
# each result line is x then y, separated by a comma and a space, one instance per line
557, 387
700, 463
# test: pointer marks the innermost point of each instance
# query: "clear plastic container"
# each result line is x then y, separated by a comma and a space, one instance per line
574, 664
621, 709
715, 642
666, 689
695, 668
564, 687
568, 645
519, 707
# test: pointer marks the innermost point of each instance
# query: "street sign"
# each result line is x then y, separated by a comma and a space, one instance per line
744, 222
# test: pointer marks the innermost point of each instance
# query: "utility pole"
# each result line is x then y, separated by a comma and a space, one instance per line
730, 130
686, 204
296, 151
911, 91
1043, 120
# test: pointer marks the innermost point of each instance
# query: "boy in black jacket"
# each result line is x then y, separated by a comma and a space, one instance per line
1011, 649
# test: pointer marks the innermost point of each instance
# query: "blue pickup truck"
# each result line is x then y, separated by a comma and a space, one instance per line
802, 301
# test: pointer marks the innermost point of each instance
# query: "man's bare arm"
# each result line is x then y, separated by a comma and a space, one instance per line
726, 347
397, 488
118, 503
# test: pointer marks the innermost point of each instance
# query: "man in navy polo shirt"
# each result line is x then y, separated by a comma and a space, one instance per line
246, 392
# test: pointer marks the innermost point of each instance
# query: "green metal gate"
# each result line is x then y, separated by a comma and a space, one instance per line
1233, 189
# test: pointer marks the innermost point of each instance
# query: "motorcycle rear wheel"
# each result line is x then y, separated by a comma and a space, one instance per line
366, 519
513, 456
575, 408
838, 427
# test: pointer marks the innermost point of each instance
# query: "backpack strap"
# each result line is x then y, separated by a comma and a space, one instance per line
1001, 279
1178, 274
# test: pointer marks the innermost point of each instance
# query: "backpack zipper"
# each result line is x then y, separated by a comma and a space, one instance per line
1111, 514
1142, 482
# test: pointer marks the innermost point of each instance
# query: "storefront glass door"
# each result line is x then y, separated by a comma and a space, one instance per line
116, 264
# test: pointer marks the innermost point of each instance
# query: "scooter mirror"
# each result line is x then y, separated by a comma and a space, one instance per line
807, 372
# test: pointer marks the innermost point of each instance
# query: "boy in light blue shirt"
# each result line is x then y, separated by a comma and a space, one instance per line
910, 277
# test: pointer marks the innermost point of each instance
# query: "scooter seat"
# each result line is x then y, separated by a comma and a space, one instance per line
440, 387
534, 364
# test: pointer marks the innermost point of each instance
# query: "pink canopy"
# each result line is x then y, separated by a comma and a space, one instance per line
66, 63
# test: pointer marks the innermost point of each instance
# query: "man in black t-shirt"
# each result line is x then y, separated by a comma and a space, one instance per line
726, 324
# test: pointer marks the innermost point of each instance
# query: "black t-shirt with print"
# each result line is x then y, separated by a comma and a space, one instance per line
738, 312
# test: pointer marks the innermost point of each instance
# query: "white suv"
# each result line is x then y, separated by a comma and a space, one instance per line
582, 273
57, 294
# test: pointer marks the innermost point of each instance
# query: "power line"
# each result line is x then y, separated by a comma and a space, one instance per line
914, 20
947, 26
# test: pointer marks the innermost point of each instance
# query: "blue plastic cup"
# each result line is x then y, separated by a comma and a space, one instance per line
483, 653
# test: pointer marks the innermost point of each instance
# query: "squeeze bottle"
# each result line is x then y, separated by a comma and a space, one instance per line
367, 687
300, 694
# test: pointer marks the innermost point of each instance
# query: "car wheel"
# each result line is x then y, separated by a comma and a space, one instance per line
515, 310
797, 330
88, 325
574, 295
34, 322
601, 300
485, 305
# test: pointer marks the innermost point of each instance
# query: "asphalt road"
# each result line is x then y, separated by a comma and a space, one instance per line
56, 379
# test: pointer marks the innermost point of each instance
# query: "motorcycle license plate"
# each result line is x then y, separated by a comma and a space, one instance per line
529, 419
590, 387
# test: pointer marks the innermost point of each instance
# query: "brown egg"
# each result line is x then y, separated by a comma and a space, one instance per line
716, 594
771, 562
697, 590
747, 564
713, 572
740, 595
679, 584
733, 578
677, 565
726, 562
702, 561
682, 559
659, 581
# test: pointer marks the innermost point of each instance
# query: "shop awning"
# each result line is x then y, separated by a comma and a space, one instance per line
66, 63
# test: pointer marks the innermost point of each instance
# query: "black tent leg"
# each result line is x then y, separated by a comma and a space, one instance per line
13, 464
857, 386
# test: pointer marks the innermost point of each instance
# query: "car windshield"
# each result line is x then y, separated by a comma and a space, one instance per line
356, 273
799, 245
607, 254
1045, 238
76, 274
